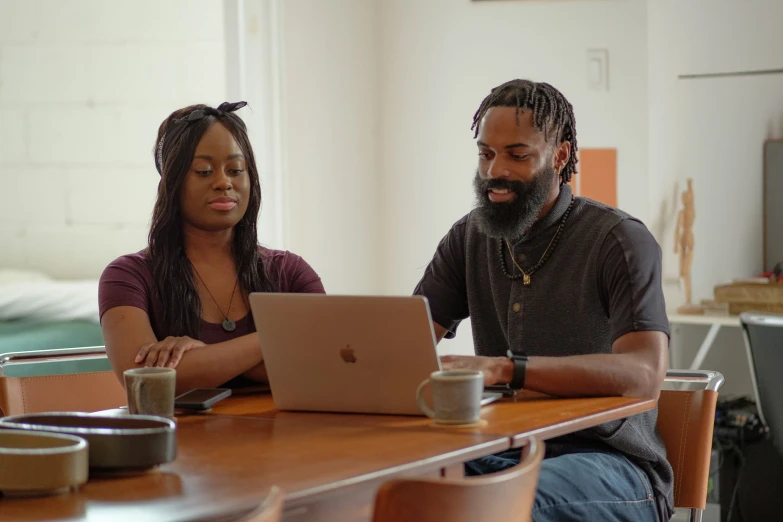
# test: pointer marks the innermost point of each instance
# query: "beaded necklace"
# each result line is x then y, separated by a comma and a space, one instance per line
547, 253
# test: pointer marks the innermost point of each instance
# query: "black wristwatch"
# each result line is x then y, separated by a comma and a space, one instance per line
520, 366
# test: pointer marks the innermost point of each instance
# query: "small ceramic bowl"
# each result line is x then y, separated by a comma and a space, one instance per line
126, 443
39, 463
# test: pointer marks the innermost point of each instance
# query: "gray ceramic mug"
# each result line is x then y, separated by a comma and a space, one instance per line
150, 391
456, 396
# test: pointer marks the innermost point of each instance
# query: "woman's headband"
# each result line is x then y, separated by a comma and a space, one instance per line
221, 110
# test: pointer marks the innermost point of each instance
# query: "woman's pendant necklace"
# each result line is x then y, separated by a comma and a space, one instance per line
229, 325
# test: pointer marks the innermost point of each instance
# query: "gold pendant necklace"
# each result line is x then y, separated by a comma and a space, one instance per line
526, 275
549, 249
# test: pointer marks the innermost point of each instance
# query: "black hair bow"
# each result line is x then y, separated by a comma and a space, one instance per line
221, 110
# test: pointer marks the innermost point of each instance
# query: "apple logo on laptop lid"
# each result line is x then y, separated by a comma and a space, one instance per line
347, 354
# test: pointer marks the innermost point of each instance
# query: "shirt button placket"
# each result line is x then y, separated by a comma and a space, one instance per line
515, 311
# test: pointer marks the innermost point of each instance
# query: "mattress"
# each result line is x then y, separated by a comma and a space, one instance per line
27, 335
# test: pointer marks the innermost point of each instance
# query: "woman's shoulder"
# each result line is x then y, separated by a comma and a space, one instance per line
277, 257
292, 273
282, 262
130, 270
126, 281
136, 264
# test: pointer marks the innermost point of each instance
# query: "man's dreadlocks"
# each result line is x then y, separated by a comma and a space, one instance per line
552, 113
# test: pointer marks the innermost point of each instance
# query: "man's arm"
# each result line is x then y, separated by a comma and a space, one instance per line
635, 368
444, 284
440, 332
629, 282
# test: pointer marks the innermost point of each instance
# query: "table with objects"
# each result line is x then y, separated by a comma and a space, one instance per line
328, 465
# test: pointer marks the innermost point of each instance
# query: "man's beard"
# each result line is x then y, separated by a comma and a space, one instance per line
513, 218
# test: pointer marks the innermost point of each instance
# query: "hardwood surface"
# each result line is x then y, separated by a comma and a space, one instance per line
529, 414
224, 460
532, 414
328, 465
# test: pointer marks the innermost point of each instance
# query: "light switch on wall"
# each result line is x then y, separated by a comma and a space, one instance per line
598, 69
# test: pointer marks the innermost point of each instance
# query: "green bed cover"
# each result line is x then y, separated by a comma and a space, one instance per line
24, 336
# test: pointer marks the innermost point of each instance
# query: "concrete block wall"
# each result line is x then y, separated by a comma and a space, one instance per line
84, 85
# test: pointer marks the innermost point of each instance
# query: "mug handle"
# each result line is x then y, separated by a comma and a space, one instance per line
420, 399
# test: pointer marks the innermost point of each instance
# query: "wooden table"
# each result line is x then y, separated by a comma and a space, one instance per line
529, 414
329, 465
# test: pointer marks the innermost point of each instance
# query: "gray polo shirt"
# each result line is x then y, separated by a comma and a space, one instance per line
602, 281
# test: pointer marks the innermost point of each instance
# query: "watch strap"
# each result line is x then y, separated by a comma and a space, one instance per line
520, 368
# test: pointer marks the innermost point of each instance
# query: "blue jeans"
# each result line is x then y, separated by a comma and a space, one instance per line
581, 484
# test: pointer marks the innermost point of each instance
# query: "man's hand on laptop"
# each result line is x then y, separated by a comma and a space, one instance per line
496, 370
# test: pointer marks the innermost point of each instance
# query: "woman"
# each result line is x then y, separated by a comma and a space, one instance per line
183, 301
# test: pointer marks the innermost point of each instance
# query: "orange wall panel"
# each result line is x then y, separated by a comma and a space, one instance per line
597, 175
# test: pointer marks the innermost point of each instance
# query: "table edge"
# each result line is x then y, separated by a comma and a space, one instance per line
518, 440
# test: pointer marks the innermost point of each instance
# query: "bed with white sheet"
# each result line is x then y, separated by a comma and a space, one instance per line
41, 313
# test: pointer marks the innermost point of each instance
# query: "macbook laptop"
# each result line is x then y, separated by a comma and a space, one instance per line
357, 354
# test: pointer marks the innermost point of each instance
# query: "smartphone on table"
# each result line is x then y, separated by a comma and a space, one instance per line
200, 399
503, 389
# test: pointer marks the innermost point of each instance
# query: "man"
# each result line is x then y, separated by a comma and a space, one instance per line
565, 298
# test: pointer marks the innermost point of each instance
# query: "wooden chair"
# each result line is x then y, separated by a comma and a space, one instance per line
67, 379
506, 496
271, 510
686, 417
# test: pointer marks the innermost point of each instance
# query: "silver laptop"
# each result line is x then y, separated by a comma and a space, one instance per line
357, 354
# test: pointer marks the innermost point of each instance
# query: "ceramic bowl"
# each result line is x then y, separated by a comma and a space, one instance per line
41, 463
117, 443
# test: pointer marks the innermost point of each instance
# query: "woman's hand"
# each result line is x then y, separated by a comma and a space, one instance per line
167, 352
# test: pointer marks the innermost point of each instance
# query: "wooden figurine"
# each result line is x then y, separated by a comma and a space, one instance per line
683, 245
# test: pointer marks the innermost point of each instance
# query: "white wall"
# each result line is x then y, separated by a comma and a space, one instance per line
254, 70
712, 130
84, 85
440, 58
331, 140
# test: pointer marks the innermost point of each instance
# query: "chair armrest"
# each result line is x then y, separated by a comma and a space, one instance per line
712, 380
46, 354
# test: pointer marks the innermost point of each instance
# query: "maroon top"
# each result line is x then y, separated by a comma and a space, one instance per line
127, 281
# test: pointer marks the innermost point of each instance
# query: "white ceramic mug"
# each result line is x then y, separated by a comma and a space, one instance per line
150, 391
456, 396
